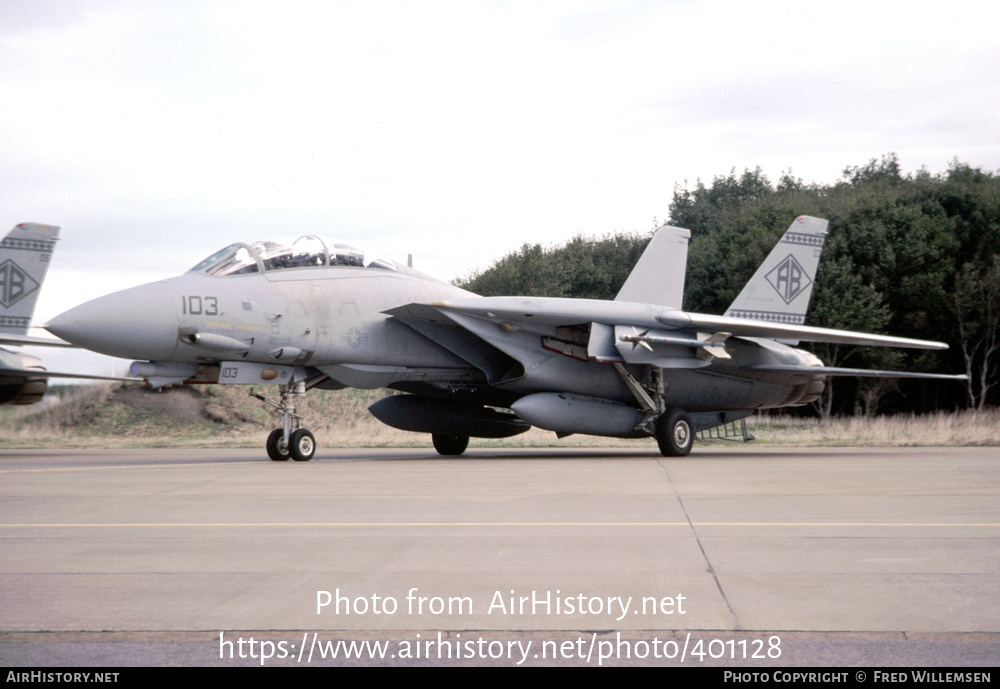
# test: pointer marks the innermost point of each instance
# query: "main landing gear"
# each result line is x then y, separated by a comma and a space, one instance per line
297, 443
672, 428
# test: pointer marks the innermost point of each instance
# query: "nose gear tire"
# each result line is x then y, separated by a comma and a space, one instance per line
302, 445
277, 449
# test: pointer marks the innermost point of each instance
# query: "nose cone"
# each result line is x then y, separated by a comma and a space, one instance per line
137, 323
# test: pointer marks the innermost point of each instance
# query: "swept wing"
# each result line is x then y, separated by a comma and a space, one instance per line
542, 314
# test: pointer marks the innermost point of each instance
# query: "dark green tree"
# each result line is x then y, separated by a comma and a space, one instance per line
909, 254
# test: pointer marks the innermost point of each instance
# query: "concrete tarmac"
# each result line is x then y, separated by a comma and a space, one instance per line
745, 556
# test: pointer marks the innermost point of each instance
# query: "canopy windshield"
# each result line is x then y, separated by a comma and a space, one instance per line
308, 251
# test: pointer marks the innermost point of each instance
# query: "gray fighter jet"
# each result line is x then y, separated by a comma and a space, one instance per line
25, 254
312, 313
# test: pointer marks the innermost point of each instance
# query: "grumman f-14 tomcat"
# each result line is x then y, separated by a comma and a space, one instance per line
313, 313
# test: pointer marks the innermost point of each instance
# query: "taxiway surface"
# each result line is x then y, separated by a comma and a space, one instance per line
845, 555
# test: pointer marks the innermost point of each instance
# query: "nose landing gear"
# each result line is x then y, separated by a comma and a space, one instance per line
297, 443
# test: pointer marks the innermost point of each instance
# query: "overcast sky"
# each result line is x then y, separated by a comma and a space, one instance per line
155, 133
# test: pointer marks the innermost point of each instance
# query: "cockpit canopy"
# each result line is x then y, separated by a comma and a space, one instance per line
308, 251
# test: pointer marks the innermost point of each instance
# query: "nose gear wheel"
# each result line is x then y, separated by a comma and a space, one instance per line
291, 440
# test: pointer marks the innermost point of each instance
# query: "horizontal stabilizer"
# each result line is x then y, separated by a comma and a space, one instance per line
780, 331
856, 372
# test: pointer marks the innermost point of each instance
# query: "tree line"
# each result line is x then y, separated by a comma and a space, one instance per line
915, 255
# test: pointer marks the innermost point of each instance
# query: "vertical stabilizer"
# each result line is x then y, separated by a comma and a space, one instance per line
658, 277
24, 257
780, 289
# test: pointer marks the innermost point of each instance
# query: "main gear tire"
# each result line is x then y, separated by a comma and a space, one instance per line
674, 433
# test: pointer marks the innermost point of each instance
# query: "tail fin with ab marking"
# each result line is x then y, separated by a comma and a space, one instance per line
24, 258
779, 291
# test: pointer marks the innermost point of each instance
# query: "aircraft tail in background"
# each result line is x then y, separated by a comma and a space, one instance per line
25, 254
